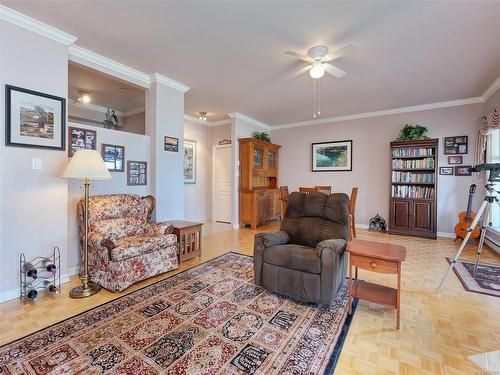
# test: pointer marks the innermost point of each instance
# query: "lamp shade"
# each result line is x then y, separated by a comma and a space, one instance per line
87, 164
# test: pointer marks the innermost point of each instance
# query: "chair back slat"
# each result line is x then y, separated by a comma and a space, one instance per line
307, 190
325, 189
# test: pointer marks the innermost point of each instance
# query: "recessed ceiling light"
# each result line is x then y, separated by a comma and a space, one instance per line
84, 96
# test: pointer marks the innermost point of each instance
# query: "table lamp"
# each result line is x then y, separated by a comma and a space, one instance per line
86, 165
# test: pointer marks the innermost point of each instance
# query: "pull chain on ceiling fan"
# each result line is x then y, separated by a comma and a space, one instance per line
318, 59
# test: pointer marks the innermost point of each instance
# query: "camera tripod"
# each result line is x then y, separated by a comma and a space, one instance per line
484, 212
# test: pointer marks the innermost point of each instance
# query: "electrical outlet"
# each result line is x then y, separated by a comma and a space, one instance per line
36, 163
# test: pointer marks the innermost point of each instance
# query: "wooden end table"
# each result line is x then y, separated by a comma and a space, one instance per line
376, 257
189, 239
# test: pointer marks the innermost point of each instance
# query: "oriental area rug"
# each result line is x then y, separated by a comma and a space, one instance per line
486, 281
210, 319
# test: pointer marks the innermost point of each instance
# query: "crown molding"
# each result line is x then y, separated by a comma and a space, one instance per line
103, 64
159, 78
239, 116
221, 122
385, 112
491, 89
36, 26
93, 107
134, 111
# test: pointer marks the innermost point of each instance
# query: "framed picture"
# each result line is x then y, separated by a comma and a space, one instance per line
189, 161
455, 159
456, 145
463, 170
81, 138
34, 119
171, 144
446, 171
137, 173
332, 156
114, 157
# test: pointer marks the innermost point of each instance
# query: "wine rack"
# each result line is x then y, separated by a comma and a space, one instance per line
40, 273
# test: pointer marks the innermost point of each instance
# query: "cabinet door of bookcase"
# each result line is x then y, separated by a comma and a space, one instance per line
423, 216
400, 214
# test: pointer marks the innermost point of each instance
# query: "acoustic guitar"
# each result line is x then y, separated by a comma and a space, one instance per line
465, 219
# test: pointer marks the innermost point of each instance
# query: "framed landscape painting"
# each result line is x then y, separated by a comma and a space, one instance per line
34, 119
171, 144
189, 161
114, 157
332, 156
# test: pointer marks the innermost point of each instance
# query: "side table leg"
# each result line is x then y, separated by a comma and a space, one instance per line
398, 310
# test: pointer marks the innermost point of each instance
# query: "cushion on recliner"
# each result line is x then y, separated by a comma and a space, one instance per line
312, 218
296, 257
128, 247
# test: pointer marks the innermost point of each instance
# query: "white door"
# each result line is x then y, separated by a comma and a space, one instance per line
222, 184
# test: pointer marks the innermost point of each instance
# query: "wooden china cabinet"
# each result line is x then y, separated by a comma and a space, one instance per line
259, 189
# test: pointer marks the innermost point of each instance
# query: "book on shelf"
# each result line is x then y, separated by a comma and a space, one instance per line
409, 177
408, 191
412, 152
427, 163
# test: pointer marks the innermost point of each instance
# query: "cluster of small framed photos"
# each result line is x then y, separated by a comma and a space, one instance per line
456, 147
113, 155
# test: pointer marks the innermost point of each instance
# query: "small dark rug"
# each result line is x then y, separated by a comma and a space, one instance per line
210, 319
487, 280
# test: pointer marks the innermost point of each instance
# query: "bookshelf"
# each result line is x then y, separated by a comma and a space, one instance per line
413, 193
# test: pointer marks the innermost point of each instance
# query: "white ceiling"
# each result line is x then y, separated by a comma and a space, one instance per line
105, 91
231, 53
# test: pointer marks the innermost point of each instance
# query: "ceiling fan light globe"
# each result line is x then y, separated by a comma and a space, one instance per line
317, 71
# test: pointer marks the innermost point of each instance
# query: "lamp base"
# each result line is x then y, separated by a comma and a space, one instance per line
82, 292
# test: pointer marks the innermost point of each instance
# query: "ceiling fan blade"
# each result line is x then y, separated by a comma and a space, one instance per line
340, 52
298, 56
334, 71
302, 71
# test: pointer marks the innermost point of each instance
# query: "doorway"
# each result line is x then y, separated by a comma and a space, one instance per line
222, 185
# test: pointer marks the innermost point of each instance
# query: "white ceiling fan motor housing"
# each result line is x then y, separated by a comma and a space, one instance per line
317, 53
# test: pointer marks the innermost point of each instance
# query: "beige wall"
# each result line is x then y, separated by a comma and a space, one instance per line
371, 168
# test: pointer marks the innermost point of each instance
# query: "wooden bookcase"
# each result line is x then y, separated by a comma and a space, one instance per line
413, 193
259, 189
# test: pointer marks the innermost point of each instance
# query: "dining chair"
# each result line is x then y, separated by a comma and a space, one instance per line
352, 210
284, 199
325, 189
307, 190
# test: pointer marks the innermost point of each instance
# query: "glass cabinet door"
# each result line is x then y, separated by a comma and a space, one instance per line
271, 159
258, 157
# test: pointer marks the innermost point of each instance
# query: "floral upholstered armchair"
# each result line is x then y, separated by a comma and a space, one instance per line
124, 246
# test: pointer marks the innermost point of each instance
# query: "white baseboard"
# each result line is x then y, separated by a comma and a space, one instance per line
11, 294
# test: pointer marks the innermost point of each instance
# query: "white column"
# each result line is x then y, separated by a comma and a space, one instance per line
165, 117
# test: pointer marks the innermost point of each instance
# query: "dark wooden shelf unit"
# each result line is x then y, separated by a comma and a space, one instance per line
411, 214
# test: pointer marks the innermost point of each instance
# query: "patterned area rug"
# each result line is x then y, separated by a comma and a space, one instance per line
210, 319
487, 280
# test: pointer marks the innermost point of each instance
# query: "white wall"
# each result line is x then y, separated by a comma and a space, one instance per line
137, 149
33, 208
371, 167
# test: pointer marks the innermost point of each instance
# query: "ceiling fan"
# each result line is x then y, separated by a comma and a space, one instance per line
319, 58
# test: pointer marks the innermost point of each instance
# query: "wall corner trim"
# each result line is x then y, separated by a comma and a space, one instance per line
159, 78
36, 26
491, 89
240, 116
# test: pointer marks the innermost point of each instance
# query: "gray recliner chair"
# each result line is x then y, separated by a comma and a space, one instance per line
306, 259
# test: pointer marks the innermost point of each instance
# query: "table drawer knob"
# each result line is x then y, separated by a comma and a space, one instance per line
373, 264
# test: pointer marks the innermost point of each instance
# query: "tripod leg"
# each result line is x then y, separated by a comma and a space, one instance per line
484, 225
464, 242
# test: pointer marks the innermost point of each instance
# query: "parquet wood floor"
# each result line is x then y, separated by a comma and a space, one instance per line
438, 332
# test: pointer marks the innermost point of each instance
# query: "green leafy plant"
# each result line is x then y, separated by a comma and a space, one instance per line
262, 136
411, 132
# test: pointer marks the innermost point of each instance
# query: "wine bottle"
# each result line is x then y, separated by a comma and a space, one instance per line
49, 265
32, 294
49, 286
30, 270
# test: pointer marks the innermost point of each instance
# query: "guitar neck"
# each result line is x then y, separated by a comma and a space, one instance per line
469, 203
